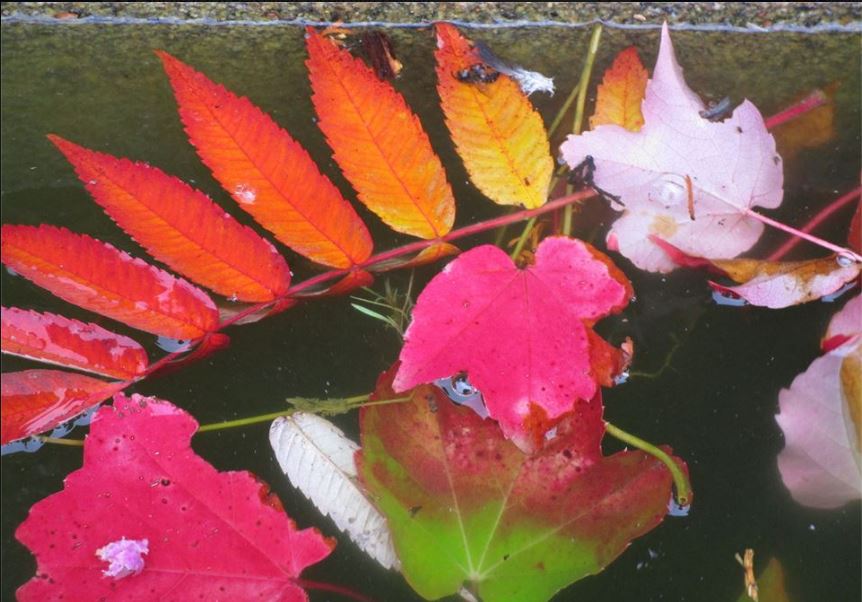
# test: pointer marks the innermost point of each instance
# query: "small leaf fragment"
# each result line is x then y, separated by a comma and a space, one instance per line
619, 96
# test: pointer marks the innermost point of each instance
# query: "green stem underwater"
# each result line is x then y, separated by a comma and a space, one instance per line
680, 479
577, 124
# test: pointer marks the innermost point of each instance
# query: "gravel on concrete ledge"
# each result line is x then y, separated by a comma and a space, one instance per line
750, 15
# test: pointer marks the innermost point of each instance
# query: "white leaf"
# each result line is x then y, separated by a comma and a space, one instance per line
317, 458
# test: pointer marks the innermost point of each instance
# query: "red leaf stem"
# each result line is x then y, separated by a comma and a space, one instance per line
809, 103
815, 221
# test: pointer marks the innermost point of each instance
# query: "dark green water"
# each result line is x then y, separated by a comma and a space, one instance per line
101, 86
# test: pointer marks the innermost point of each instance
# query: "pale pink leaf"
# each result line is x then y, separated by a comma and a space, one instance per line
848, 321
820, 413
522, 335
681, 166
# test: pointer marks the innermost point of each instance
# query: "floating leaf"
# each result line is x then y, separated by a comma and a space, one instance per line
35, 401
181, 226
521, 335
98, 277
812, 128
318, 460
770, 584
209, 535
619, 96
774, 284
498, 134
266, 171
466, 506
58, 340
854, 237
378, 142
682, 177
821, 417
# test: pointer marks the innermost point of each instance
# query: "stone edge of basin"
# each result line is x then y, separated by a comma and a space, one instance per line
751, 16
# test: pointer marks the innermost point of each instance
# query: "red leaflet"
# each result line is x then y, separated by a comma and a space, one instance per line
98, 277
35, 401
146, 518
378, 142
58, 340
268, 173
181, 226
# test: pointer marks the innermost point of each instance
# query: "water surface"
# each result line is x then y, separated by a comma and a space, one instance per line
101, 86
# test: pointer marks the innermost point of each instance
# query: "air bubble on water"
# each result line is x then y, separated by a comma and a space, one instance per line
29, 445
674, 509
830, 298
173, 345
461, 392
34, 444
728, 300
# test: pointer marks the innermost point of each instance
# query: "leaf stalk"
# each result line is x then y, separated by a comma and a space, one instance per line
680, 479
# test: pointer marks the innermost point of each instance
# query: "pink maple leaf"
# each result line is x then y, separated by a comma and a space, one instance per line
142, 490
523, 336
682, 177
820, 417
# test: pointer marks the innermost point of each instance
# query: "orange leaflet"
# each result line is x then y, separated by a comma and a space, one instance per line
266, 171
621, 92
378, 142
58, 340
181, 226
498, 134
35, 401
98, 277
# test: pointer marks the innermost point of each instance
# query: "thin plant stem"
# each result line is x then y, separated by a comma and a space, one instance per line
558, 119
333, 588
793, 231
815, 221
522, 240
809, 103
347, 404
229, 424
577, 124
680, 479
62, 441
